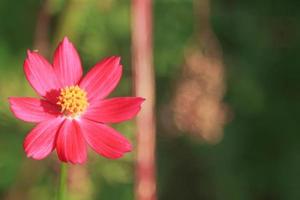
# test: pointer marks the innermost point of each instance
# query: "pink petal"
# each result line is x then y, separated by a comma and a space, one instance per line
102, 78
70, 144
67, 64
41, 76
104, 140
40, 142
114, 110
32, 109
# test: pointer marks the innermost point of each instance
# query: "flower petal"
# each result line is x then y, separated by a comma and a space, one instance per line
70, 144
41, 76
114, 110
102, 78
104, 140
40, 142
67, 64
32, 109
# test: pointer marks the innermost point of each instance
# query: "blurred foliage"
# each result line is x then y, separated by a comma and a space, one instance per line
259, 155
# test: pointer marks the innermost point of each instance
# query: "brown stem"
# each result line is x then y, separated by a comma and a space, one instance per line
144, 84
41, 39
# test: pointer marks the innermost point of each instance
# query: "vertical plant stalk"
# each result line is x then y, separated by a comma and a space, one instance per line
144, 86
207, 39
62, 188
41, 38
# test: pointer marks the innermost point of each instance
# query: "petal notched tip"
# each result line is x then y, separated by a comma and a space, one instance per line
128, 148
66, 43
140, 99
31, 53
116, 59
66, 39
11, 105
28, 52
29, 56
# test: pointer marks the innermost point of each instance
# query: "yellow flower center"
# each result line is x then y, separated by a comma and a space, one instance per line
72, 100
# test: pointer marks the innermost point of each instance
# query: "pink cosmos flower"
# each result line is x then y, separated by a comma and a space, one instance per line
73, 111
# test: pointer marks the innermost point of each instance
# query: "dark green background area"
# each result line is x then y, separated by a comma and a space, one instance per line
259, 156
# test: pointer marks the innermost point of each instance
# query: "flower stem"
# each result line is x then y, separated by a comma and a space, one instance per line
62, 192
144, 84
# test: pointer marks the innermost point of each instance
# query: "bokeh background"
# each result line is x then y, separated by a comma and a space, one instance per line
227, 91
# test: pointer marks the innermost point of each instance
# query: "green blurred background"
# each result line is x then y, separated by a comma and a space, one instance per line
258, 157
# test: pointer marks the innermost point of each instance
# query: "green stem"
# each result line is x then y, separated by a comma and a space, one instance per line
62, 192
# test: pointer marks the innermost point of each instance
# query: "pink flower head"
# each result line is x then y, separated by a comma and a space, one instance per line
73, 111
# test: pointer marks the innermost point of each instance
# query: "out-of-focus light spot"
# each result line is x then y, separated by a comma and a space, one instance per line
198, 107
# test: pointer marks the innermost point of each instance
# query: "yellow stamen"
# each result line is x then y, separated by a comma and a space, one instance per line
72, 100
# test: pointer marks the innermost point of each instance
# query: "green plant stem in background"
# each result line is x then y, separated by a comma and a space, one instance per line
62, 192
